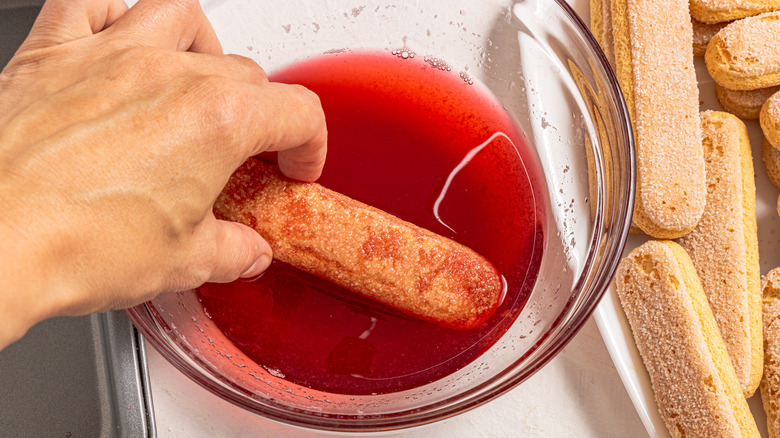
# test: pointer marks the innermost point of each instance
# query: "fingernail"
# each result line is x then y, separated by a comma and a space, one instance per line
261, 264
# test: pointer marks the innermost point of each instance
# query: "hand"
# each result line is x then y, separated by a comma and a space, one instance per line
118, 129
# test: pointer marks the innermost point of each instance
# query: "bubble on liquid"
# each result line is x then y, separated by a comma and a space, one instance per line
334, 51
437, 63
466, 78
403, 53
274, 372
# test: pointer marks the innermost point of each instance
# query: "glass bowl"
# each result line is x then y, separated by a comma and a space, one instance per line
539, 60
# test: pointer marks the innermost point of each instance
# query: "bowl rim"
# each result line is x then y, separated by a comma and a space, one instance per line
575, 312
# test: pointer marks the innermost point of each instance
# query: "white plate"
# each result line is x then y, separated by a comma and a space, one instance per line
612, 322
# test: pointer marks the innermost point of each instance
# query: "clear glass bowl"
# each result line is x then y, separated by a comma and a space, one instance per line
540, 61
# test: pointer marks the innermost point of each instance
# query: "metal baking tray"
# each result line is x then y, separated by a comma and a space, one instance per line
16, 19
77, 377
71, 377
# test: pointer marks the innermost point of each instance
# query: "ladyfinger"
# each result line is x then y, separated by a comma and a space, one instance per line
691, 374
601, 27
361, 248
724, 246
654, 60
718, 11
745, 104
770, 155
745, 55
770, 384
769, 118
702, 34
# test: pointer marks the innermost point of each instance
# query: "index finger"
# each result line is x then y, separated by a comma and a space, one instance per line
179, 25
61, 21
289, 119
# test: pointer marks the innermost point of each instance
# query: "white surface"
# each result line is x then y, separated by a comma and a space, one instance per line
578, 394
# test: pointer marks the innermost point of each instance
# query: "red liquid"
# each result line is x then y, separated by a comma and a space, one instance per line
397, 129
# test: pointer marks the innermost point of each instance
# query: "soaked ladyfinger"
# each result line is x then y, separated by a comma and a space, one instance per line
718, 11
654, 65
361, 248
745, 55
745, 104
724, 246
693, 381
770, 384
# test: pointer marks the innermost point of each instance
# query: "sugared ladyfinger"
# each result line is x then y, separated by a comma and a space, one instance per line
718, 11
702, 34
361, 248
770, 384
654, 60
770, 155
745, 104
745, 54
692, 377
769, 118
724, 246
770, 146
601, 27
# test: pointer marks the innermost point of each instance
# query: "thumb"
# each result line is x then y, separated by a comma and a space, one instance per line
240, 252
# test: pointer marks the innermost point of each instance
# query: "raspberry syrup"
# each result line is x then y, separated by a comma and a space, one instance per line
434, 149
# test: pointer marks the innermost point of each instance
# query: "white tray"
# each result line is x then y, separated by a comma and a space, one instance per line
609, 315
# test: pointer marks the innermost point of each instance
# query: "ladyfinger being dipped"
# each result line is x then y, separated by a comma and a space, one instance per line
718, 11
654, 65
745, 55
361, 248
693, 381
770, 384
724, 245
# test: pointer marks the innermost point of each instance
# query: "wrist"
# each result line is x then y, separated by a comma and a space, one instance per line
24, 283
